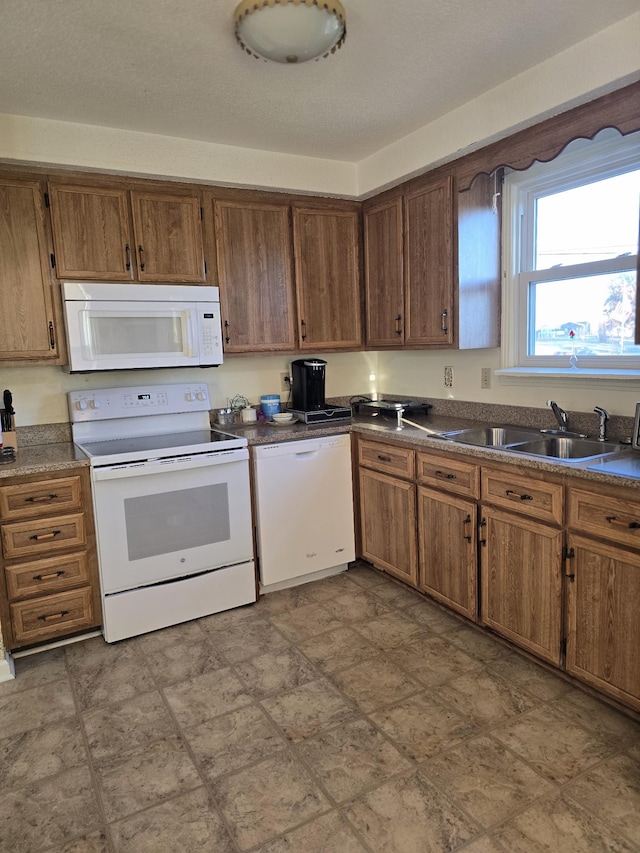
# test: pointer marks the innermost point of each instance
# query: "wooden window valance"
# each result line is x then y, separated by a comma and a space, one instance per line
544, 141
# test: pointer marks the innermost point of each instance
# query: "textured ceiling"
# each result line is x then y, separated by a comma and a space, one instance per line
173, 67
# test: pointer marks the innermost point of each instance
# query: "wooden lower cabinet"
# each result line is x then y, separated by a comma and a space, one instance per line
603, 636
388, 524
49, 586
521, 570
447, 548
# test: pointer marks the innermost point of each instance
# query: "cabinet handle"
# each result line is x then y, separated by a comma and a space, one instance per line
443, 318
226, 332
127, 257
445, 476
50, 577
49, 617
510, 492
141, 254
482, 538
467, 520
303, 330
616, 522
384, 458
40, 536
37, 499
399, 324
52, 337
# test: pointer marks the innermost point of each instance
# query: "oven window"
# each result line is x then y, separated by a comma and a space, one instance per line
177, 520
125, 334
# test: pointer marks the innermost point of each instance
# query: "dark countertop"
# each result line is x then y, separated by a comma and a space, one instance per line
49, 458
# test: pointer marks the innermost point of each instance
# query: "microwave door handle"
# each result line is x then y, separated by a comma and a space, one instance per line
190, 318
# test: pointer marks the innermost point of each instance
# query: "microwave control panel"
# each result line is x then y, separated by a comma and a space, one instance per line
108, 403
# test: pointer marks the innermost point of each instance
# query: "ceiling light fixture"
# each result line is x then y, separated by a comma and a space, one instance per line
290, 30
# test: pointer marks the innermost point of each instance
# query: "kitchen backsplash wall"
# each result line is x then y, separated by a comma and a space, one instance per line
40, 392
422, 374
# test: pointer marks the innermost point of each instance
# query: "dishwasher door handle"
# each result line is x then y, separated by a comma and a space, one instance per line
307, 453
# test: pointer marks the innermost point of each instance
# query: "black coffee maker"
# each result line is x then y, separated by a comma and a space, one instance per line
307, 389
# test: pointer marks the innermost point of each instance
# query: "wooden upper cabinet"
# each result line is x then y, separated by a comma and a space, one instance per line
91, 232
327, 278
168, 237
27, 329
255, 274
428, 236
383, 269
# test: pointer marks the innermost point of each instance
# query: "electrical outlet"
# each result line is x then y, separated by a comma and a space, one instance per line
485, 377
285, 383
448, 377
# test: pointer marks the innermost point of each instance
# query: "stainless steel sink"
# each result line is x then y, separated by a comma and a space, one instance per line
561, 447
492, 436
623, 464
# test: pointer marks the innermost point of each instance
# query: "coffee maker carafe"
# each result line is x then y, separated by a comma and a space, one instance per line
307, 391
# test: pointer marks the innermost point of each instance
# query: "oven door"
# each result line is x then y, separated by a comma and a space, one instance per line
168, 518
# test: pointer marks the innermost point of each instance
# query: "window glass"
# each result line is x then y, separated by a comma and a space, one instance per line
588, 223
570, 257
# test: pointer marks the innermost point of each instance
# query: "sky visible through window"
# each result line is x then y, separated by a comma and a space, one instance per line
593, 222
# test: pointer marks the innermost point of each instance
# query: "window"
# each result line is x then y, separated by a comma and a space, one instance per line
570, 257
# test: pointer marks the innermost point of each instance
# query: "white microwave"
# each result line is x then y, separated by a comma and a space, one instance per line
133, 326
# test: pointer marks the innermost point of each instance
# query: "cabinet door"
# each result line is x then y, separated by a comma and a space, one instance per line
383, 266
447, 549
327, 279
388, 524
168, 237
428, 229
603, 639
91, 232
253, 243
26, 310
521, 570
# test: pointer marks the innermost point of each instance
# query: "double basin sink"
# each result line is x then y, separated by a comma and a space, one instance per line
554, 445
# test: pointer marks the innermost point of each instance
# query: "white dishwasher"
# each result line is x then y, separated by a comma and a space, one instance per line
304, 506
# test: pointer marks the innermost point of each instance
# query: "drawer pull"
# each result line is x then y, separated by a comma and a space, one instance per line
510, 492
445, 476
49, 617
38, 537
629, 525
383, 458
40, 499
49, 577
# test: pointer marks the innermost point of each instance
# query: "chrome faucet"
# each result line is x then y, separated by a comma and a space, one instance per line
561, 415
604, 417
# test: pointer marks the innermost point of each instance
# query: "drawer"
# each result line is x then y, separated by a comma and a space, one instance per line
27, 500
52, 616
42, 577
462, 478
387, 458
42, 536
534, 498
604, 516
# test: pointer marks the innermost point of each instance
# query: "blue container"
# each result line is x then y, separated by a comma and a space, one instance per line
270, 405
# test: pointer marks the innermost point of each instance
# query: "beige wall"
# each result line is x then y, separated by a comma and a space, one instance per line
39, 392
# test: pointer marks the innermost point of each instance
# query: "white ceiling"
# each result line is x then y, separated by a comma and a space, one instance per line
172, 67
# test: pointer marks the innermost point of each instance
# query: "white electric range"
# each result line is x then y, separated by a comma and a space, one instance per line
172, 506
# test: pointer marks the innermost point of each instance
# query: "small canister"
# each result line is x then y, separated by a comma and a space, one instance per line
224, 417
248, 415
270, 405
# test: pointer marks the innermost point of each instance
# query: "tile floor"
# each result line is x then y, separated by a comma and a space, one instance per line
344, 716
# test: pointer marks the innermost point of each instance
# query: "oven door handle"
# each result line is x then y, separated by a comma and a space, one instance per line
169, 465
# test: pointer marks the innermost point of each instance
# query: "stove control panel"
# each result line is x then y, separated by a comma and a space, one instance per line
109, 403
